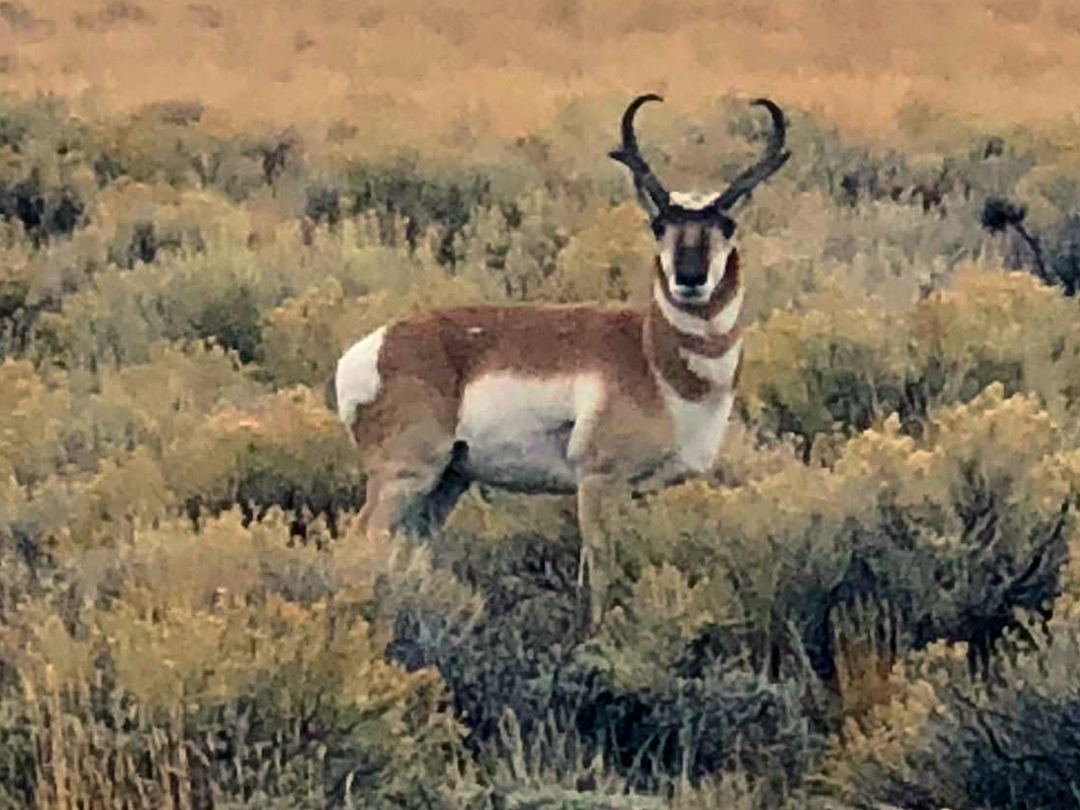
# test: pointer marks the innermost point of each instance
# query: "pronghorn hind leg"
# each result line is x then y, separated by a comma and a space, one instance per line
363, 519
389, 498
598, 558
400, 493
440, 502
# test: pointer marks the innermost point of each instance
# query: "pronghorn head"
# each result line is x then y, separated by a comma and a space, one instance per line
693, 232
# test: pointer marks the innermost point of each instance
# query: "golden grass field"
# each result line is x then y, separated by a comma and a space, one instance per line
432, 74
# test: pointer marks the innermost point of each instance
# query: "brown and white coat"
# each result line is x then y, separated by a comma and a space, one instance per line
560, 399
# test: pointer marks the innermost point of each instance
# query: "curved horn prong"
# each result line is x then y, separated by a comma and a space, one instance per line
775, 156
630, 155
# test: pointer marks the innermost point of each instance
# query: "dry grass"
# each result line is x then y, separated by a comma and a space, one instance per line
452, 76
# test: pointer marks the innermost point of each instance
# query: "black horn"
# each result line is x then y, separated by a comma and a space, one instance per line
644, 179
775, 156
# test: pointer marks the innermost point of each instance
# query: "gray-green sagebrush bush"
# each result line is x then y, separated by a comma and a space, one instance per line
187, 613
945, 741
844, 361
221, 670
957, 530
636, 702
715, 659
184, 433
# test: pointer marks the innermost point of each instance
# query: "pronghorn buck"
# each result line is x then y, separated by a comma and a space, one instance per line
567, 399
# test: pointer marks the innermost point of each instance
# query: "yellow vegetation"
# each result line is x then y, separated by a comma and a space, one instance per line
451, 76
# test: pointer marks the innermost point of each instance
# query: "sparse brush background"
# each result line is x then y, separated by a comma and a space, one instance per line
874, 602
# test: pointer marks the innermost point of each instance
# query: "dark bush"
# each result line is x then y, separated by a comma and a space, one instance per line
233, 321
508, 660
43, 212
323, 205
422, 198
14, 120
1007, 745
1061, 246
525, 656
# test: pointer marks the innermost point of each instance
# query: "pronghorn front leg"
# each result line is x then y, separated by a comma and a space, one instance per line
596, 493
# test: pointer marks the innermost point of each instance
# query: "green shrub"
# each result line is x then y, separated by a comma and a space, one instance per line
34, 415
284, 449
403, 188
835, 364
961, 533
605, 260
842, 361
948, 742
168, 143
634, 699
305, 336
214, 296
902, 470
44, 185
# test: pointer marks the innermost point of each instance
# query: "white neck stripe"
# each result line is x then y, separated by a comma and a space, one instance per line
682, 321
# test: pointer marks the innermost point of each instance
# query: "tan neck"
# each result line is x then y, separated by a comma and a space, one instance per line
709, 330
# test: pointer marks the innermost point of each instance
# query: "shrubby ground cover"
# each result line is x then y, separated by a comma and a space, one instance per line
872, 602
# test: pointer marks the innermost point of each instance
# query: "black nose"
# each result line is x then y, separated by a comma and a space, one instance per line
691, 267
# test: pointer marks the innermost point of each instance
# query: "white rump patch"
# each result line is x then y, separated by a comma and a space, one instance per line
357, 378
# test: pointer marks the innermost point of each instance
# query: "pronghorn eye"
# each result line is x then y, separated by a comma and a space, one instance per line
724, 222
658, 227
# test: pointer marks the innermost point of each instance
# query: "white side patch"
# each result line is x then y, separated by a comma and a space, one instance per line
519, 430
717, 370
357, 378
588, 400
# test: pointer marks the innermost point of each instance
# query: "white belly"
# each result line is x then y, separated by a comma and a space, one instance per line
524, 433
528, 434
